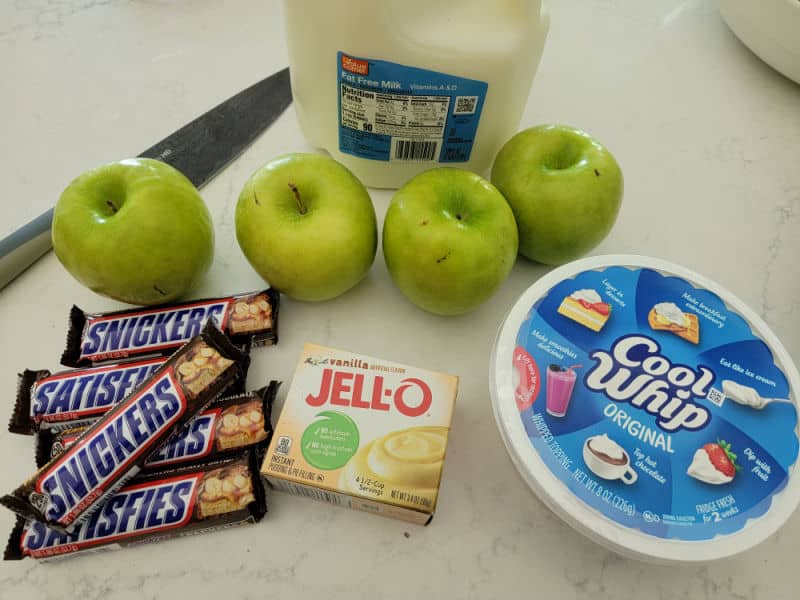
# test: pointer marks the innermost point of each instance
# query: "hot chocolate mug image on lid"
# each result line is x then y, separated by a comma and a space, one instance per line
607, 459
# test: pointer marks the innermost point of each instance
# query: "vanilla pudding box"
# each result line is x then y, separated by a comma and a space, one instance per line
364, 433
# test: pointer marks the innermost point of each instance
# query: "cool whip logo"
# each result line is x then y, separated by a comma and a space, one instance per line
91, 392
635, 372
194, 441
77, 479
151, 330
134, 510
358, 390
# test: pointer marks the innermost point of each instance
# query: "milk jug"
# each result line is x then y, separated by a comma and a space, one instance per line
395, 87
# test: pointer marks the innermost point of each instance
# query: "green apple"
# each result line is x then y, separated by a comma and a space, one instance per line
449, 240
135, 230
307, 226
564, 187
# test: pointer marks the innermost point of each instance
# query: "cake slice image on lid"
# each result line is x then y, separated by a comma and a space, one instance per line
587, 308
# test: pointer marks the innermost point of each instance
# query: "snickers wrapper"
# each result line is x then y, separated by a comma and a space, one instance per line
247, 319
228, 426
68, 488
66, 399
153, 507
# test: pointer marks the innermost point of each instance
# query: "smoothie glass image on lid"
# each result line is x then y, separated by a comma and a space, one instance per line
676, 440
560, 383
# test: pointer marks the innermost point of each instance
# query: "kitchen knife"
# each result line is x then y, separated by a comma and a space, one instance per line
199, 150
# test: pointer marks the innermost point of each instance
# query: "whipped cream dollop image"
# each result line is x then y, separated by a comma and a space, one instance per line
607, 446
704, 470
590, 296
670, 312
745, 395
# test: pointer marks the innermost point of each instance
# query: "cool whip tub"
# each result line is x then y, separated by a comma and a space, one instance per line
679, 440
363, 432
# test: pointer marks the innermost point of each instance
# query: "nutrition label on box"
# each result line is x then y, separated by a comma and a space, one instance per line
392, 112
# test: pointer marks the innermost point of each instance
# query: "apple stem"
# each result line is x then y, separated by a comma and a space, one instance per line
112, 206
300, 205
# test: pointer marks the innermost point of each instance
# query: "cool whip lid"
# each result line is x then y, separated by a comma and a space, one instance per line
663, 438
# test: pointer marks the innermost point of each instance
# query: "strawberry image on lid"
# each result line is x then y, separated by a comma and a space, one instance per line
714, 463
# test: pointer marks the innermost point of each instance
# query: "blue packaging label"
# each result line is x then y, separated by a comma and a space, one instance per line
149, 331
392, 112
131, 512
71, 483
654, 403
65, 398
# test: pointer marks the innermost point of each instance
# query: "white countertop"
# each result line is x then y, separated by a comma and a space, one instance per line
708, 139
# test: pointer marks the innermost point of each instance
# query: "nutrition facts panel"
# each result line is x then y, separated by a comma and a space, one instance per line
393, 112
396, 115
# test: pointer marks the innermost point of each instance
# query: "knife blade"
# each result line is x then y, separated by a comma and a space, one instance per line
200, 150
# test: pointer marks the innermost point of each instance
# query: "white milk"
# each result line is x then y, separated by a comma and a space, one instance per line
396, 87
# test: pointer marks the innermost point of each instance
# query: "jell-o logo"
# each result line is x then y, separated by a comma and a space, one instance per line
343, 388
635, 372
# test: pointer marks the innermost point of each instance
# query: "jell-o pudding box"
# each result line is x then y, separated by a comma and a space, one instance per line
363, 432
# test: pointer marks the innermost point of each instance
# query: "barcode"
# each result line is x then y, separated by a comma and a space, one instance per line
413, 498
284, 445
465, 105
415, 150
315, 494
715, 396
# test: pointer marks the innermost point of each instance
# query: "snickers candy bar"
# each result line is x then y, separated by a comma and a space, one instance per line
232, 423
68, 488
154, 507
63, 400
248, 319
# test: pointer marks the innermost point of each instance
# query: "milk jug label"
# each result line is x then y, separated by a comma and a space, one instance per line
392, 112
654, 403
